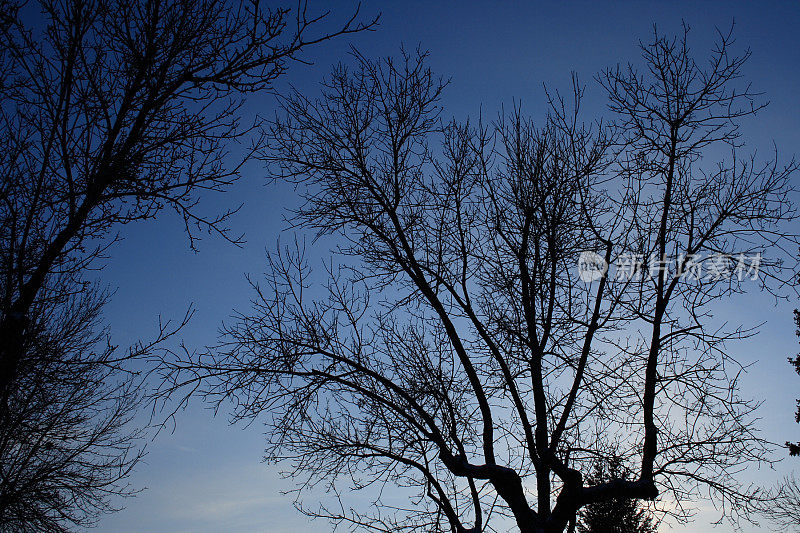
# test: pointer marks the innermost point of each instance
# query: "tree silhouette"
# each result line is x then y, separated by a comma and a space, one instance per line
456, 351
783, 507
111, 111
794, 448
618, 515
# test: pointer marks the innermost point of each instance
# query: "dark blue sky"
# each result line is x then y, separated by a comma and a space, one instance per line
207, 476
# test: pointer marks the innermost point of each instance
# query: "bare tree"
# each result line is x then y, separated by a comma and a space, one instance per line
783, 509
458, 352
111, 111
68, 442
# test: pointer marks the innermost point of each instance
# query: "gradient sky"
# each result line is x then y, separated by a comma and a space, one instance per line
207, 476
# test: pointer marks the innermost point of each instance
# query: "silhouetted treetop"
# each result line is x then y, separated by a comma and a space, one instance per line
111, 111
456, 350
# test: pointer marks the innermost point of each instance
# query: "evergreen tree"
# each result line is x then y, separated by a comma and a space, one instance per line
618, 515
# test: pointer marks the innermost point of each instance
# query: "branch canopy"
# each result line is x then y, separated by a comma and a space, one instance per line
510, 302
